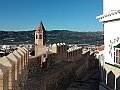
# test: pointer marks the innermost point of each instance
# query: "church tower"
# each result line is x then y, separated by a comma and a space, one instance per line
40, 40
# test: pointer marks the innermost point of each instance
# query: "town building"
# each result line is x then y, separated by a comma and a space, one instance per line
59, 51
40, 40
111, 25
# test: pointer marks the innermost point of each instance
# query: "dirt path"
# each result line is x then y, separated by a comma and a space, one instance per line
90, 81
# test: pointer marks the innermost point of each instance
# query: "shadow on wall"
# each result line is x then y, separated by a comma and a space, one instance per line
118, 83
104, 75
111, 79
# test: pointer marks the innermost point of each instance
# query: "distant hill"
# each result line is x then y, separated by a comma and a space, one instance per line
53, 36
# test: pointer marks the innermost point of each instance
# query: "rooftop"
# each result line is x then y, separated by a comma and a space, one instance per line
113, 14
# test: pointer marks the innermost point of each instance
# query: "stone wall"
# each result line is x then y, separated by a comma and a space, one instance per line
67, 73
74, 54
87, 62
64, 52
34, 65
61, 50
4, 72
13, 70
59, 77
15, 67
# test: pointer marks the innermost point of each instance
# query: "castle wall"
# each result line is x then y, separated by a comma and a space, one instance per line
25, 55
22, 58
13, 75
67, 72
19, 66
17, 63
65, 52
61, 51
34, 64
11, 67
74, 55
4, 79
17, 55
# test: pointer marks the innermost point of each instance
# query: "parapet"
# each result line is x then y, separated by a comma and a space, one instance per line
17, 63
25, 48
59, 48
3, 70
54, 45
17, 54
64, 44
3, 77
11, 67
6, 62
12, 57
73, 48
20, 52
86, 52
58, 44
61, 43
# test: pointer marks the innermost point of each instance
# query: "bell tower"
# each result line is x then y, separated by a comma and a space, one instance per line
40, 40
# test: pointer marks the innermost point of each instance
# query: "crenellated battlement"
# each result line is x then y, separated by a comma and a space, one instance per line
16, 66
62, 51
74, 53
13, 68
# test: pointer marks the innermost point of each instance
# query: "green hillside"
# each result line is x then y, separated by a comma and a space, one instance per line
53, 36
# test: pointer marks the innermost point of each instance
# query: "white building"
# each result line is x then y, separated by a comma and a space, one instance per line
111, 22
110, 74
5, 47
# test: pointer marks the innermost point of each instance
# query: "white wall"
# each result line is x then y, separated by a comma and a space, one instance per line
109, 5
111, 32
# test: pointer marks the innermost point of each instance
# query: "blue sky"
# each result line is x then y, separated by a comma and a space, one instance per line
75, 15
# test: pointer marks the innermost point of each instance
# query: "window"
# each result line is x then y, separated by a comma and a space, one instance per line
114, 56
36, 37
40, 36
117, 56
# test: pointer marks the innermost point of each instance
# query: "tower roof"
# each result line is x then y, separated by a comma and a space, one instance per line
41, 27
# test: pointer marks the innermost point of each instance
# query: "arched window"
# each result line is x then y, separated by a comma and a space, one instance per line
40, 36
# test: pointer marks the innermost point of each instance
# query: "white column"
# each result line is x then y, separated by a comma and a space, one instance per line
115, 82
106, 77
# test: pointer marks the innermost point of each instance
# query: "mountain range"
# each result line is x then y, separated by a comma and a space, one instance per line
53, 36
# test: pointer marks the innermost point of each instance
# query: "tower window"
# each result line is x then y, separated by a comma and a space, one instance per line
36, 37
117, 56
40, 36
